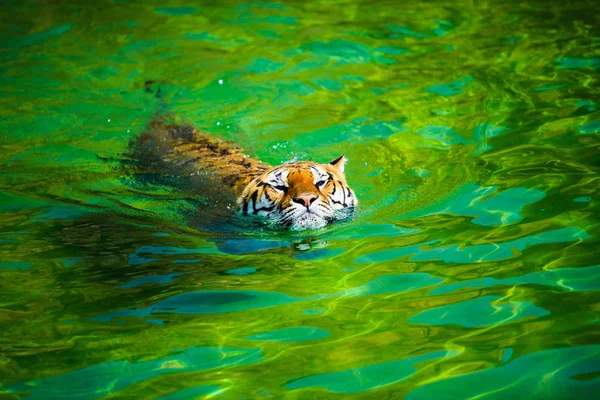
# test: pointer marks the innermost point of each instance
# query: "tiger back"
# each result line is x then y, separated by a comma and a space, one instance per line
300, 195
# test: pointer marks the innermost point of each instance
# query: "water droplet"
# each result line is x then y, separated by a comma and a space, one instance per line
109, 120
220, 81
218, 123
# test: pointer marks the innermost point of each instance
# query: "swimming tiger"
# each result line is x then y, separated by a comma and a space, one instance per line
296, 195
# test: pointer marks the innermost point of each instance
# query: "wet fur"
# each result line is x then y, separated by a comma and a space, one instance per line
183, 151
220, 172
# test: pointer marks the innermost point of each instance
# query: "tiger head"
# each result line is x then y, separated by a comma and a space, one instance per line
301, 195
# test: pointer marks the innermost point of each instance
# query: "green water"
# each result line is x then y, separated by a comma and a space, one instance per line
472, 270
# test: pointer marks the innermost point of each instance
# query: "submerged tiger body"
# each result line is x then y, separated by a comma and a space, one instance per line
299, 195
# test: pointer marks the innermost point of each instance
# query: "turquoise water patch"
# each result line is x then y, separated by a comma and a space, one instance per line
134, 259
387, 255
343, 49
318, 254
103, 379
485, 131
395, 51
501, 208
60, 212
346, 52
443, 28
353, 78
69, 262
201, 36
513, 39
16, 265
498, 251
270, 19
405, 31
314, 311
583, 103
375, 172
583, 278
447, 136
507, 354
176, 11
11, 237
206, 302
39, 38
374, 230
592, 127
158, 279
330, 84
570, 62
223, 301
139, 256
392, 284
248, 245
261, 65
443, 135
531, 376
295, 334
365, 378
269, 33
192, 393
546, 88
387, 89
482, 252
354, 130
263, 4
242, 271
487, 205
172, 250
478, 313
420, 172
452, 88
381, 129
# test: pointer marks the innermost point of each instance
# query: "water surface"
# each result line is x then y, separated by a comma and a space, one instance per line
472, 270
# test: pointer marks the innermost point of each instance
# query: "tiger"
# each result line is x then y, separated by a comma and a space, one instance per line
296, 195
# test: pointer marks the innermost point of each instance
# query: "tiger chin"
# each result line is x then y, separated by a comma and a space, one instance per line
297, 195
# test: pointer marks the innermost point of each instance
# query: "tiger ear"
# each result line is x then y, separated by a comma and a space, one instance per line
339, 163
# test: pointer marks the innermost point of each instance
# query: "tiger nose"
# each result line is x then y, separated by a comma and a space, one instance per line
305, 199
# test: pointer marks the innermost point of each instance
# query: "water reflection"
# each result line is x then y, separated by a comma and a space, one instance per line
159, 279
483, 311
483, 252
472, 134
296, 334
564, 278
102, 379
368, 377
529, 376
225, 301
206, 302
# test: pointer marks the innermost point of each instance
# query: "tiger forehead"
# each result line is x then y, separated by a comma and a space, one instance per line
297, 172
303, 175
